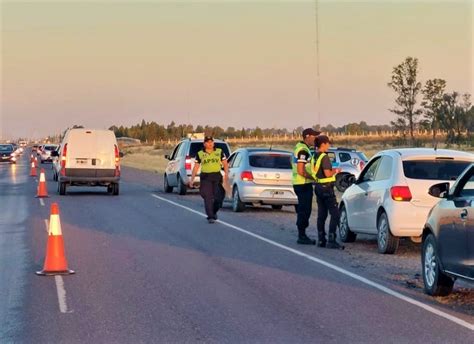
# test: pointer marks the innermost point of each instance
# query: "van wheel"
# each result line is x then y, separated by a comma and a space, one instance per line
166, 185
345, 232
237, 205
62, 188
386, 242
115, 189
435, 281
181, 187
277, 207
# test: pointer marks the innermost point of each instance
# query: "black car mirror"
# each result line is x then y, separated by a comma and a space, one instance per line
121, 154
167, 157
439, 190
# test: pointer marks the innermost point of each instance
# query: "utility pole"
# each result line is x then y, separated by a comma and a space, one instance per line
318, 79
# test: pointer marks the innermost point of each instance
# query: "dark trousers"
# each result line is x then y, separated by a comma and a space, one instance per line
327, 203
304, 192
212, 192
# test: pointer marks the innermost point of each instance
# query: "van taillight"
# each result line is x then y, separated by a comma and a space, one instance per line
187, 163
246, 176
117, 161
63, 160
401, 193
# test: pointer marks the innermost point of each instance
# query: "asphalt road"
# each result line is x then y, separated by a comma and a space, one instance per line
150, 269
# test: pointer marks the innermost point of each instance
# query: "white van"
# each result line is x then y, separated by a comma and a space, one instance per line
88, 157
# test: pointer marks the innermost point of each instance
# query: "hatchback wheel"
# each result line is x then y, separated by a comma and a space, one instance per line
345, 232
435, 281
386, 242
166, 186
181, 186
237, 205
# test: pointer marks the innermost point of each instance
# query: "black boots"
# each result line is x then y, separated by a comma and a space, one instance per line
332, 243
322, 239
303, 238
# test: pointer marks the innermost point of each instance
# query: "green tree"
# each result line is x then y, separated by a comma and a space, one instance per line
404, 83
432, 99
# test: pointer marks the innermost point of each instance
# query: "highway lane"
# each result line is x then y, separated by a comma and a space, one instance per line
150, 271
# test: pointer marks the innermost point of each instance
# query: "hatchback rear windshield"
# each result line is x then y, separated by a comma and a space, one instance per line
50, 148
197, 146
277, 161
434, 169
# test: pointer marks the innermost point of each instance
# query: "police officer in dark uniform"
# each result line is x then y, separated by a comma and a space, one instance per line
303, 184
211, 160
325, 178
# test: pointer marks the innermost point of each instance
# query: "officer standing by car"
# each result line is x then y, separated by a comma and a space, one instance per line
325, 178
211, 160
303, 184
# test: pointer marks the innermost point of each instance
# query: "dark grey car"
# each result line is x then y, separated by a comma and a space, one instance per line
448, 236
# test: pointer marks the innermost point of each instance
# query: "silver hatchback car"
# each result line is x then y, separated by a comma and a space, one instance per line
261, 176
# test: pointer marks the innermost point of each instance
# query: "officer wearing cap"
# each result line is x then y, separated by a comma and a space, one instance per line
324, 175
303, 184
211, 160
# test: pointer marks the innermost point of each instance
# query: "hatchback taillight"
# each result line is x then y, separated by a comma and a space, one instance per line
117, 161
246, 176
401, 193
63, 160
187, 163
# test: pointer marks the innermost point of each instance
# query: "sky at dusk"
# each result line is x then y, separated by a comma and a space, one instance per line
227, 63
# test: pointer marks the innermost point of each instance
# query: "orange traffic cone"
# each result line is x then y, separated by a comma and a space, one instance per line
55, 262
42, 189
32, 159
33, 170
36, 162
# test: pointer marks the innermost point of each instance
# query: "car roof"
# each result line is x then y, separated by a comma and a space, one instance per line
263, 150
202, 141
413, 153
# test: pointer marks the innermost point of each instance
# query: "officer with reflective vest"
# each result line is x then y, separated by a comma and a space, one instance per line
303, 184
324, 175
211, 160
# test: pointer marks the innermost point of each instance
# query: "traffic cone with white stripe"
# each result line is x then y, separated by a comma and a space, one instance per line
33, 170
36, 162
42, 189
55, 262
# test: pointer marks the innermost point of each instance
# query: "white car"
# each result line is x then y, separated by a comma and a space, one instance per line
390, 198
45, 154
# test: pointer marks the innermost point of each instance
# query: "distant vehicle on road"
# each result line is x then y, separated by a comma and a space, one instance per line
7, 153
448, 236
45, 154
390, 198
261, 176
181, 163
350, 161
88, 157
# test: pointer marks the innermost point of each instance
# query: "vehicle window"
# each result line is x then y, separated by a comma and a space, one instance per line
385, 169
231, 160
50, 148
434, 169
332, 157
370, 171
173, 156
343, 157
6, 148
468, 188
181, 149
197, 146
277, 161
237, 161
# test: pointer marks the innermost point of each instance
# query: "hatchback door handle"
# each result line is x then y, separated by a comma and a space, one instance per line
464, 214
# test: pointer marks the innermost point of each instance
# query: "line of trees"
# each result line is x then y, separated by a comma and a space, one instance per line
449, 111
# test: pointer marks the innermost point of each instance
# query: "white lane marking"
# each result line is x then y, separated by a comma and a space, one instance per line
61, 294
41, 202
364, 280
46, 222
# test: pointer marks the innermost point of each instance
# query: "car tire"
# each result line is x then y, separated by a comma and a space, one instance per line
436, 283
182, 188
277, 207
115, 189
345, 232
237, 205
62, 188
166, 186
386, 242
